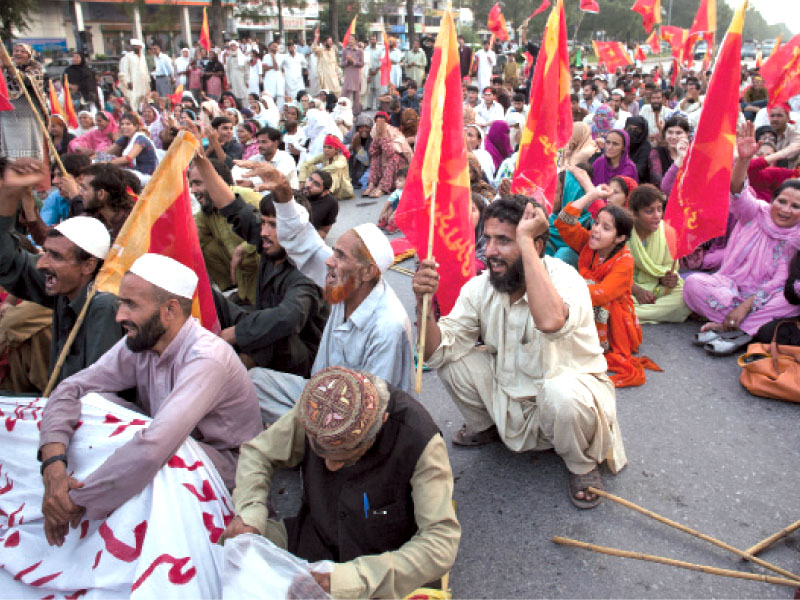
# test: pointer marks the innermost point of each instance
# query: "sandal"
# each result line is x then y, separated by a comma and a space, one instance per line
580, 483
706, 336
467, 437
376, 193
726, 346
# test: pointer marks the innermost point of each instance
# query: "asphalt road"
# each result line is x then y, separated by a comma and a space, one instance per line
701, 451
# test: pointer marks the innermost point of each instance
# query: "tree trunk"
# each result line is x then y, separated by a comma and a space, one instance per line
279, 5
411, 32
215, 24
334, 16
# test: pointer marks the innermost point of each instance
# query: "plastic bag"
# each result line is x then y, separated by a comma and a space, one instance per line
254, 568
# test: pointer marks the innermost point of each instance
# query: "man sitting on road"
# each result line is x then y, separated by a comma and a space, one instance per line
539, 380
366, 448
189, 380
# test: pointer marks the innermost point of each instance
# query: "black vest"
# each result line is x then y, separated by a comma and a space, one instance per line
335, 522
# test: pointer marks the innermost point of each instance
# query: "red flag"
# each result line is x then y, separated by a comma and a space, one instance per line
650, 11
549, 124
778, 71
177, 96
590, 6
497, 23
654, 43
542, 7
698, 205
55, 103
440, 162
788, 84
5, 103
205, 36
703, 27
69, 106
350, 31
613, 54
676, 38
386, 62
161, 222
639, 54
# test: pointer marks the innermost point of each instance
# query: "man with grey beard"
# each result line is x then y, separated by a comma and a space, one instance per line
539, 379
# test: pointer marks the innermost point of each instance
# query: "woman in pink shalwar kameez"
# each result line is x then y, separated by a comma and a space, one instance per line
747, 291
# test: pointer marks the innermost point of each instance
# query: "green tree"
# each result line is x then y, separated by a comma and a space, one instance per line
15, 14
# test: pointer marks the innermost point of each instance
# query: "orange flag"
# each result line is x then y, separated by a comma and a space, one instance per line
639, 54
780, 72
654, 43
698, 205
350, 31
549, 124
650, 11
440, 164
703, 27
497, 23
55, 103
676, 38
161, 222
386, 62
69, 107
205, 35
613, 54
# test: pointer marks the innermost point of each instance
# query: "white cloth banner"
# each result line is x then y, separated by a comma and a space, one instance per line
160, 544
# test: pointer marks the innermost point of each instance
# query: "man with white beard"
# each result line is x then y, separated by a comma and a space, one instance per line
134, 77
237, 70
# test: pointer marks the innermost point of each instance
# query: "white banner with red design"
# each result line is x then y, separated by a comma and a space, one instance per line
160, 544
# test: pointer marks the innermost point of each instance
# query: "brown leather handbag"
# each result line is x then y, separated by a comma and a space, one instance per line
772, 371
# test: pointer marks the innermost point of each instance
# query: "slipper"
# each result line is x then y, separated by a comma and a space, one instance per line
578, 483
705, 337
726, 347
467, 437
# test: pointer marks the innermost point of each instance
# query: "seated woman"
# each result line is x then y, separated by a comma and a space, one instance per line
788, 334
343, 114
246, 134
581, 146
498, 142
665, 154
60, 134
85, 123
607, 266
657, 289
134, 149
388, 152
333, 161
639, 148
748, 290
360, 141
153, 124
98, 139
409, 123
615, 160
764, 174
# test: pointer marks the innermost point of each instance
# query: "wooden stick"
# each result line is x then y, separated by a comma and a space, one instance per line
402, 270
426, 299
753, 550
68, 344
667, 290
675, 563
35, 110
693, 532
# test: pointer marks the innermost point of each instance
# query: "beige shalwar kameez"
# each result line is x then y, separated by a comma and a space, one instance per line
541, 390
328, 69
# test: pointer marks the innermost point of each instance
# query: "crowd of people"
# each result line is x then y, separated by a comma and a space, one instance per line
313, 365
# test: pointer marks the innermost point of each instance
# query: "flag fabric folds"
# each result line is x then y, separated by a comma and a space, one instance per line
676, 38
5, 103
590, 6
205, 35
549, 123
639, 54
69, 106
703, 27
542, 7
161, 222
654, 42
780, 71
177, 96
350, 31
650, 11
698, 205
55, 103
386, 62
440, 166
497, 23
613, 54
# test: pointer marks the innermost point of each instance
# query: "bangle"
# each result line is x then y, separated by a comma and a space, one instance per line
51, 460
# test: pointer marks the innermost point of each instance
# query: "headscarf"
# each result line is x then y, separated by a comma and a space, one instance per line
604, 172
332, 140
343, 112
320, 123
397, 140
602, 121
640, 147
97, 139
210, 110
581, 145
80, 130
271, 113
630, 184
497, 142
477, 184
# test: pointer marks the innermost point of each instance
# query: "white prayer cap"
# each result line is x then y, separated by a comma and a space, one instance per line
617, 91
166, 273
233, 43
135, 42
378, 245
88, 234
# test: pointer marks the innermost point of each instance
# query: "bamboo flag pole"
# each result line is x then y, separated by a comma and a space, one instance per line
426, 300
675, 563
35, 110
68, 344
753, 550
693, 532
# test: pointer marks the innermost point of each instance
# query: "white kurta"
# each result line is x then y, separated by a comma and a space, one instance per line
254, 79
273, 79
486, 62
237, 70
396, 73
293, 74
133, 70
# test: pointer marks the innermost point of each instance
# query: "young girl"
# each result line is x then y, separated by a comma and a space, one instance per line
657, 288
607, 266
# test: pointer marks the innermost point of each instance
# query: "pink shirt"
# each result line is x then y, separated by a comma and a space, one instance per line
197, 387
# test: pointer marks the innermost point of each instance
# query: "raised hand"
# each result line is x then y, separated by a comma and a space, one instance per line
746, 145
533, 223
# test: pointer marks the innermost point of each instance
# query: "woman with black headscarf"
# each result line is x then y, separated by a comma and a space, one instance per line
639, 150
81, 75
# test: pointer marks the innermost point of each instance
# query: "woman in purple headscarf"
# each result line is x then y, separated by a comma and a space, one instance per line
615, 161
498, 142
